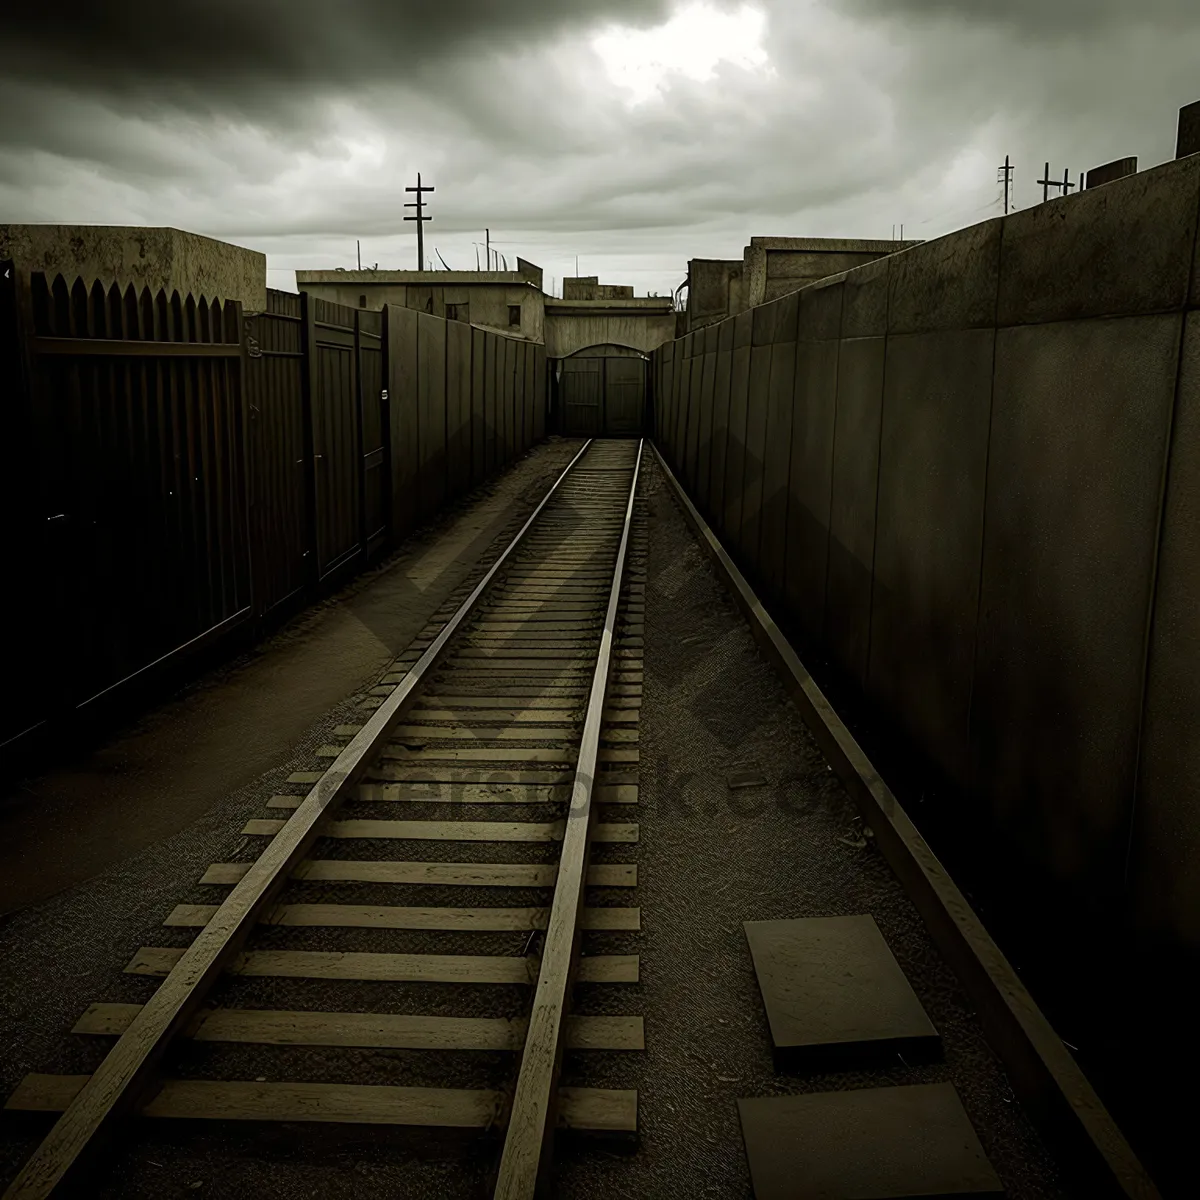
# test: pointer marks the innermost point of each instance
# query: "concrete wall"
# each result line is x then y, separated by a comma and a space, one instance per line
1117, 169
642, 324
1187, 140
992, 497
775, 266
483, 297
589, 287
771, 268
580, 287
167, 259
714, 289
530, 272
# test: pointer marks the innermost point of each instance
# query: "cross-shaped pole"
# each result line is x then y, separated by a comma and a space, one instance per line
420, 218
1006, 173
1047, 183
1066, 184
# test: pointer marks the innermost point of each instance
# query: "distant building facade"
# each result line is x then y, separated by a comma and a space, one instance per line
508, 302
641, 323
589, 287
770, 267
591, 313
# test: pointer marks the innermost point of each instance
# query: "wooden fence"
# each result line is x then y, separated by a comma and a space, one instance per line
175, 470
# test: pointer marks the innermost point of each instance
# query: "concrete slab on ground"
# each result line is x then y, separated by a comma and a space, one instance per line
869, 1144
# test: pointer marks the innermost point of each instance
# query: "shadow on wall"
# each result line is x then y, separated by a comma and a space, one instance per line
946, 470
188, 470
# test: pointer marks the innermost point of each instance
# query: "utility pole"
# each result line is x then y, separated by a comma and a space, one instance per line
1047, 183
1006, 173
420, 218
1064, 185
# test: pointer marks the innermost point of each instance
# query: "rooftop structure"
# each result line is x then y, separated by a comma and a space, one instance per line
771, 267
158, 258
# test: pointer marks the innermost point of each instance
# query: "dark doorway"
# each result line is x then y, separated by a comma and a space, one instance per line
624, 395
602, 392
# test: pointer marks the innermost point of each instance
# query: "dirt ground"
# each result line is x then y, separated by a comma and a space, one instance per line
152, 779
165, 799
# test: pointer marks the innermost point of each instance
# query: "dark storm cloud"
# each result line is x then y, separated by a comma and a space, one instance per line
210, 55
1031, 18
295, 127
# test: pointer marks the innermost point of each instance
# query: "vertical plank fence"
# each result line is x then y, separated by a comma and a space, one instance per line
176, 471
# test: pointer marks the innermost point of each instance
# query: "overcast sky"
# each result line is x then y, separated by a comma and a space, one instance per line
633, 133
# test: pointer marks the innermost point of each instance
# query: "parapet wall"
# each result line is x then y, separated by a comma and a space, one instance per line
772, 267
969, 475
157, 258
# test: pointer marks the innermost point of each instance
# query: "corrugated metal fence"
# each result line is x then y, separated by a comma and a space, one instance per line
175, 470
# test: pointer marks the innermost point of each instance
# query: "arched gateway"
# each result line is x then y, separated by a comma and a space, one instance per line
600, 391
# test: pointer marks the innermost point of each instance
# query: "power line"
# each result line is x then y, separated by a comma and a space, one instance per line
957, 211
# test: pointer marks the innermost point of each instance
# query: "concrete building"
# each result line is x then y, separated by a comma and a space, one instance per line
511, 302
508, 302
771, 267
589, 287
167, 259
640, 323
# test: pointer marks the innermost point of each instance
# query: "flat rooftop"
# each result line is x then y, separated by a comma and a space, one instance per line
437, 278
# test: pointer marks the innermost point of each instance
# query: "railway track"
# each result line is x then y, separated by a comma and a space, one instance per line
437, 870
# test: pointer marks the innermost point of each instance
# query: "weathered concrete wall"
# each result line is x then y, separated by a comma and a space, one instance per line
771, 268
774, 266
530, 272
1117, 169
641, 324
1165, 847
580, 287
812, 436
711, 284
1188, 139
589, 287
993, 494
480, 298
157, 258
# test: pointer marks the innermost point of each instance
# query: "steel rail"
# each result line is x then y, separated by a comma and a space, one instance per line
528, 1142
127, 1073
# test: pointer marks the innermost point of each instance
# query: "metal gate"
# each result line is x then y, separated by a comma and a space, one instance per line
582, 379
603, 395
624, 395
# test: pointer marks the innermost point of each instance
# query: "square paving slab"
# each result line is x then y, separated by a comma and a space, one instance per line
869, 1144
833, 989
